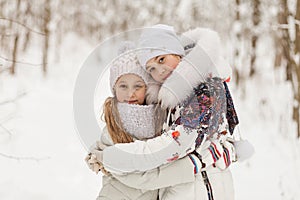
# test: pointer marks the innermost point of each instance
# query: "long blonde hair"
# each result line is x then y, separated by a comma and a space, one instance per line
113, 122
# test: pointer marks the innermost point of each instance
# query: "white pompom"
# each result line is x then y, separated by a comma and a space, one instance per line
244, 150
126, 46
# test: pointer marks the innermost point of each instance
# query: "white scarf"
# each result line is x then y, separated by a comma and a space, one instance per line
137, 120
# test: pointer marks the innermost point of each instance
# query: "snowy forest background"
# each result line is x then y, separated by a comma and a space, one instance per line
44, 43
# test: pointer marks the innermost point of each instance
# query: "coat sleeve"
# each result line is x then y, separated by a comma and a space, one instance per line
141, 156
178, 172
105, 137
105, 140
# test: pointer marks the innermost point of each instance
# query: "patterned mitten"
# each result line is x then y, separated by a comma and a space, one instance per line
210, 152
95, 158
94, 164
207, 154
227, 157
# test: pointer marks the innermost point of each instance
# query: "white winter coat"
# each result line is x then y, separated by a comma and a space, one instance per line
152, 153
148, 155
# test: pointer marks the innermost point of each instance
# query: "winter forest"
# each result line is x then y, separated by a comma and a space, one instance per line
44, 43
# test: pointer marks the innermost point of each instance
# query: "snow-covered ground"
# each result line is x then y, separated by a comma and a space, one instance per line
42, 156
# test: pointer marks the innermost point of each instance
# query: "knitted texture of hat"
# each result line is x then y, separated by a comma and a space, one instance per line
126, 63
158, 40
137, 120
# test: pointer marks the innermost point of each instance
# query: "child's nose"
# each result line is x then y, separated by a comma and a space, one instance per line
162, 70
131, 92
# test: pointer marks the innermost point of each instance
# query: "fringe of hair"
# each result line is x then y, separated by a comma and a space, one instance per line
113, 122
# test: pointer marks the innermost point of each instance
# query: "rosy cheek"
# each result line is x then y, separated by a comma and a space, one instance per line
175, 64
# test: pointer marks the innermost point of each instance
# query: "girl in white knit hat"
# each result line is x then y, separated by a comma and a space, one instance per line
198, 100
126, 116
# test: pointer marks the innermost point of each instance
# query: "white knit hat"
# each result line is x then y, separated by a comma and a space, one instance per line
126, 63
158, 40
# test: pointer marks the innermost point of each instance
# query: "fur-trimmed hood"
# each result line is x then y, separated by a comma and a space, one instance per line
203, 60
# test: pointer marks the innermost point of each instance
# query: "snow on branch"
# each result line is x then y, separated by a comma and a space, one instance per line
24, 158
20, 62
6, 130
286, 26
281, 26
13, 100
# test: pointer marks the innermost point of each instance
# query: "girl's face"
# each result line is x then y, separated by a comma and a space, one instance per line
131, 89
162, 66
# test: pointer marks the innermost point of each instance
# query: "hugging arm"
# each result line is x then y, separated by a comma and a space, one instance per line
142, 156
159, 177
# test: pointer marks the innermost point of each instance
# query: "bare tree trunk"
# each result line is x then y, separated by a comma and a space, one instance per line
16, 43
297, 67
28, 32
236, 72
278, 40
14, 54
286, 39
47, 18
255, 20
297, 27
290, 55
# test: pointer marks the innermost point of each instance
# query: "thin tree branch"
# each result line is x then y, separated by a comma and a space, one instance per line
286, 26
17, 22
13, 100
24, 158
6, 130
20, 62
7, 118
8, 34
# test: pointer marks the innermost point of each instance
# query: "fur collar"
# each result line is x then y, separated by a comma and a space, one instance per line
153, 88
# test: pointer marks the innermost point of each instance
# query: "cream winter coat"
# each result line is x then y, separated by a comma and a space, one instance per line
146, 185
113, 189
177, 181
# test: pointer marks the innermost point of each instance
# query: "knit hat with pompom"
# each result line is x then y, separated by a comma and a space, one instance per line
126, 63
